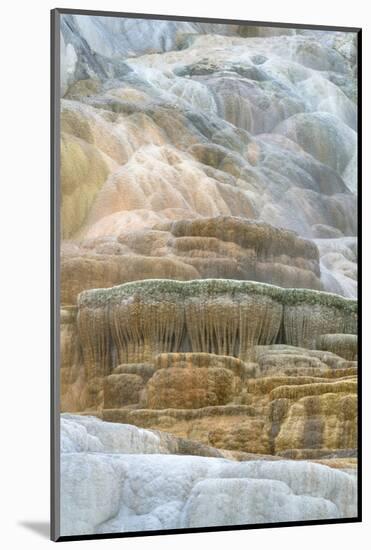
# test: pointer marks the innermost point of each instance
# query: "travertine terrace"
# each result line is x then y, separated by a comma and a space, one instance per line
208, 274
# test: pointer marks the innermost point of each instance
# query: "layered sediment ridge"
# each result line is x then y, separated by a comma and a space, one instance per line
219, 247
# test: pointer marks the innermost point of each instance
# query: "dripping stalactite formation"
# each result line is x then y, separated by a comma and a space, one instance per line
139, 320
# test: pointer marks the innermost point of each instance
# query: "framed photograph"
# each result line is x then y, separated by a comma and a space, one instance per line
206, 192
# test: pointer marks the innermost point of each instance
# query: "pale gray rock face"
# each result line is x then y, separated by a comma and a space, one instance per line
87, 434
106, 486
95, 46
322, 135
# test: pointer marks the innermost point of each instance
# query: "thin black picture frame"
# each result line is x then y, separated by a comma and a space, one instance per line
55, 273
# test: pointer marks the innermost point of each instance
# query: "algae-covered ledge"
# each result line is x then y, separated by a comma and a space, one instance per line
164, 289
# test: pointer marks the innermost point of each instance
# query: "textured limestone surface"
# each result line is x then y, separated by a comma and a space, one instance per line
172, 124
208, 274
217, 362
218, 247
90, 434
227, 317
109, 485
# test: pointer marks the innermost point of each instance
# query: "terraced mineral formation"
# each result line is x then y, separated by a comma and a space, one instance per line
220, 247
218, 362
200, 123
226, 317
208, 274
